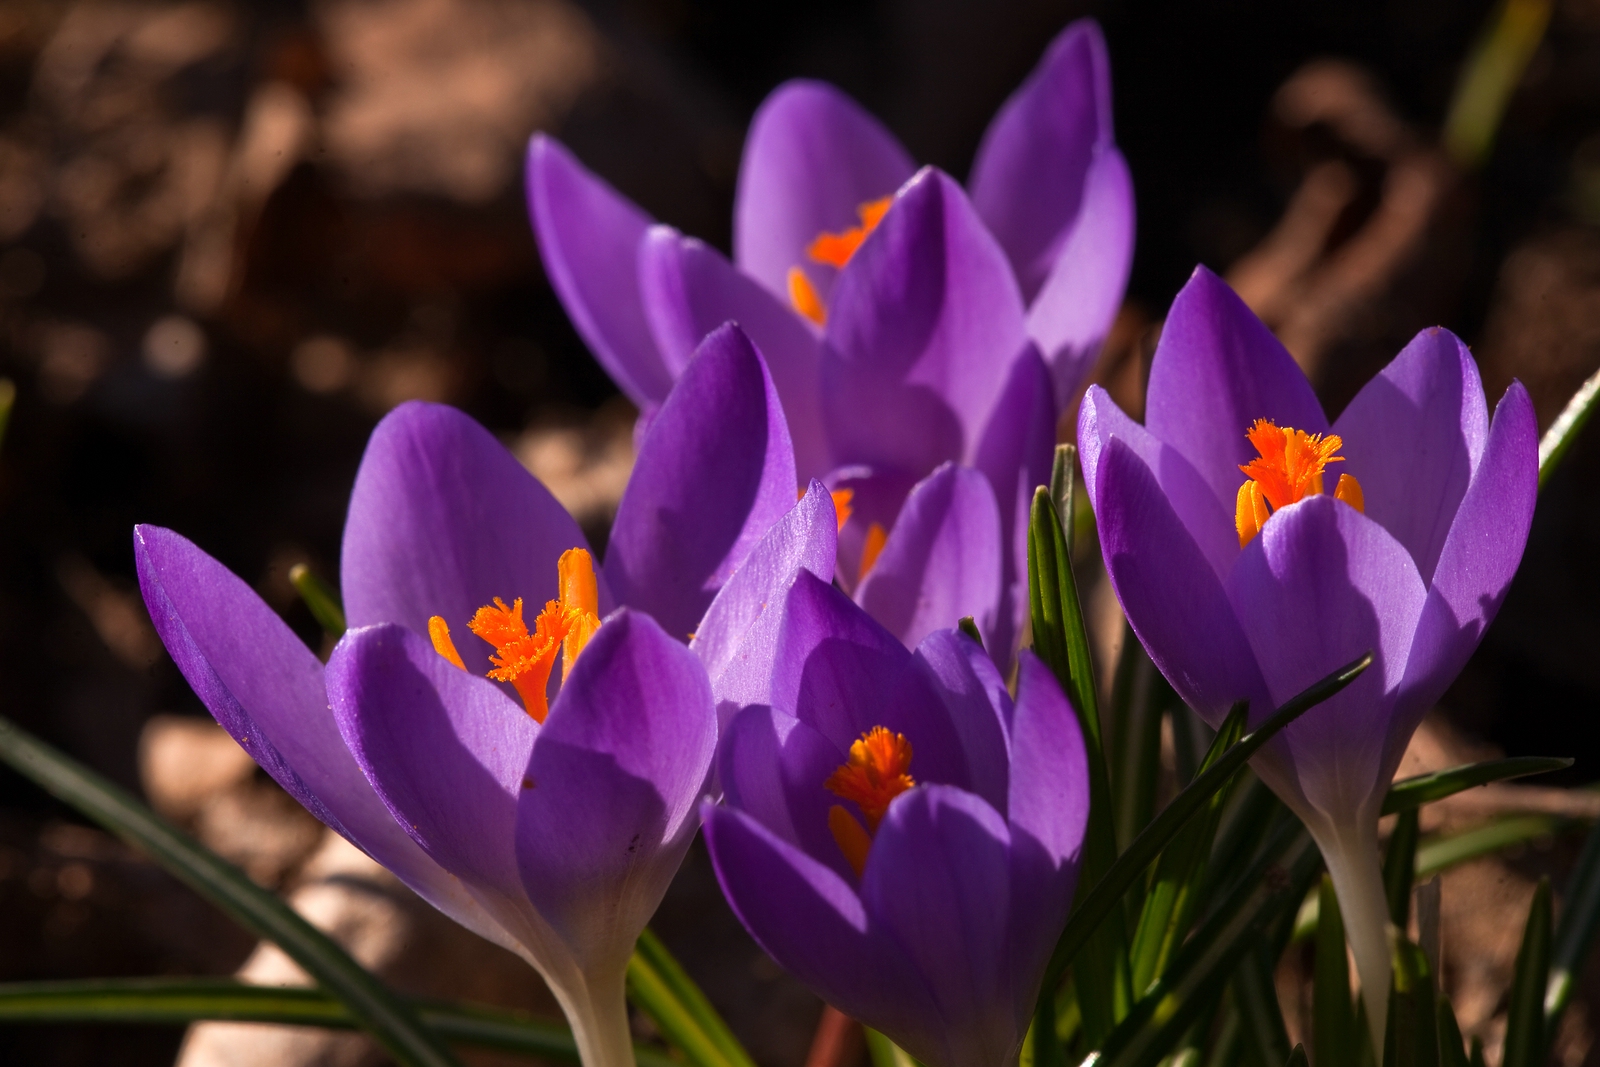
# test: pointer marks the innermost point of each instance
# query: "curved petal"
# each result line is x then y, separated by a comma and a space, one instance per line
1029, 174
942, 559
1173, 600
1412, 437
1015, 454
938, 879
811, 158
608, 804
443, 520
1073, 311
715, 471
1216, 370
266, 688
974, 695
876, 496
925, 322
589, 238
1321, 585
1479, 557
806, 538
806, 916
1048, 800
689, 290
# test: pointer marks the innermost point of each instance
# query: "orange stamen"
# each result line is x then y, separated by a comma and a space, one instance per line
836, 249
875, 774
877, 537
439, 632
804, 297
841, 503
580, 605
851, 837
1289, 469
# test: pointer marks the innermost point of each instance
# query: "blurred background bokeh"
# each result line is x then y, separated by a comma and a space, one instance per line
233, 235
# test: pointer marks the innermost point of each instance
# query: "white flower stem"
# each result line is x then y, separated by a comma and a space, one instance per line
1351, 853
597, 1010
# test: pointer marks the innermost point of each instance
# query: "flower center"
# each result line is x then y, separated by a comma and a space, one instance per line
1288, 469
526, 658
833, 250
874, 775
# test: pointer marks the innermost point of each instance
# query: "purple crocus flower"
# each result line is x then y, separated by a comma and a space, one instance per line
552, 835
1246, 579
897, 831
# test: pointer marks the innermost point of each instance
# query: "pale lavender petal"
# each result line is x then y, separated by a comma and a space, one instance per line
974, 696
609, 801
1412, 438
443, 520
689, 290
1016, 454
1029, 175
1318, 587
589, 238
1079, 300
924, 325
812, 157
938, 879
715, 471
1217, 370
942, 559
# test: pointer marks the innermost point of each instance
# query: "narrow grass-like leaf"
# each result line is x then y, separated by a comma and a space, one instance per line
1411, 1038
371, 1004
1139, 699
689, 1005
1580, 920
1525, 1013
1490, 76
1297, 1058
652, 993
1400, 866
1063, 481
1559, 437
1334, 1036
1427, 788
1257, 997
1475, 1053
1452, 1050
885, 1053
1042, 1046
320, 598
184, 1000
1442, 853
969, 626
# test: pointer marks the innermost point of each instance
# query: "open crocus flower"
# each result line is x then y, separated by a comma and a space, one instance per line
1255, 549
897, 831
549, 826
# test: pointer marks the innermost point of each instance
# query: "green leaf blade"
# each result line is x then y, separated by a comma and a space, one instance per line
1410, 793
1525, 1015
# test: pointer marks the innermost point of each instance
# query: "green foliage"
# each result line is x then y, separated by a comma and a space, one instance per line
320, 598
1410, 793
1412, 1037
1335, 1037
1525, 1041
1400, 866
661, 988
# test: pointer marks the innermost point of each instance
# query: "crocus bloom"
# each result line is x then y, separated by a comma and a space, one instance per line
551, 829
897, 831
1254, 557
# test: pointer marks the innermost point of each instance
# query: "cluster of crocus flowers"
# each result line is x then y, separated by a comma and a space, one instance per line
909, 323
1409, 556
545, 811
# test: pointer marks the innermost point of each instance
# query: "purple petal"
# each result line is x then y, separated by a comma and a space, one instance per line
876, 496
608, 805
1216, 370
806, 538
1479, 557
942, 559
589, 238
811, 158
1319, 586
1029, 175
974, 695
1173, 599
715, 471
267, 690
806, 916
1412, 438
690, 290
938, 879
1015, 454
924, 325
443, 520
1079, 300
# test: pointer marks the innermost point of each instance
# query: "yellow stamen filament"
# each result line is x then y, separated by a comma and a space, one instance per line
877, 771
833, 250
877, 537
804, 297
1289, 469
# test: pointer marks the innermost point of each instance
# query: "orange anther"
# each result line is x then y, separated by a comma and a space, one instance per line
875, 774
836, 249
841, 504
804, 297
877, 537
439, 633
1289, 469
852, 839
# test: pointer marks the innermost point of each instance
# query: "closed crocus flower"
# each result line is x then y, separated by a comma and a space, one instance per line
1256, 548
546, 809
896, 831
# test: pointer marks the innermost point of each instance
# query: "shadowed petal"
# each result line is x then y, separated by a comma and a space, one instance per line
1216, 370
1412, 438
443, 520
608, 803
589, 238
715, 471
811, 158
876, 496
689, 290
924, 325
1321, 585
974, 695
941, 560
1029, 175
938, 879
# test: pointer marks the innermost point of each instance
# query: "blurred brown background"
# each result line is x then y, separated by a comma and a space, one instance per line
233, 235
